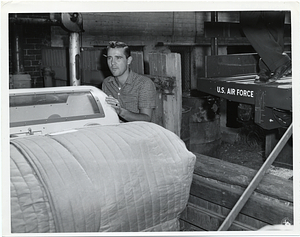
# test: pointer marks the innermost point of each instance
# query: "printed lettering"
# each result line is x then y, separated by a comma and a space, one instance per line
231, 91
220, 89
245, 93
236, 92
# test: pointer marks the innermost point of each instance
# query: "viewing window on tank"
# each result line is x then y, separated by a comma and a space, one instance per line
53, 107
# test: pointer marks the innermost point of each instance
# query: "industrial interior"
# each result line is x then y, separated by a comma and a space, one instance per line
218, 156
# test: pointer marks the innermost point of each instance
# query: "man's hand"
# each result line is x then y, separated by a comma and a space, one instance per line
143, 115
113, 102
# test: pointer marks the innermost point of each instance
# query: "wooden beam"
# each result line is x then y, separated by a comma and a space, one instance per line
254, 183
209, 220
186, 226
234, 174
261, 207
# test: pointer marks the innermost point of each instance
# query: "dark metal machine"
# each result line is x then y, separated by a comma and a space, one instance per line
271, 104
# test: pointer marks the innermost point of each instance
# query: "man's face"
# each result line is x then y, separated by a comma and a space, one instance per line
117, 61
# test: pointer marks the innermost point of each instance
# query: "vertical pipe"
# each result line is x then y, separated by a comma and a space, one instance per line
214, 40
17, 49
74, 53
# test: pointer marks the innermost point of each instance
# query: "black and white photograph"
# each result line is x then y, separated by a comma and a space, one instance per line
174, 118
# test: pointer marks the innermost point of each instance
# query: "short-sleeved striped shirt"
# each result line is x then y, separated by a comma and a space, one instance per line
138, 92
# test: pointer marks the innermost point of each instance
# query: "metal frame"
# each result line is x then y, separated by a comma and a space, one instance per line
242, 89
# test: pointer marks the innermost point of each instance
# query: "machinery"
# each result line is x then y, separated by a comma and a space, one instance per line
268, 105
40, 111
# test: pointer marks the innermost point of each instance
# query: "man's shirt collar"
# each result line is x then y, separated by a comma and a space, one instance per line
129, 79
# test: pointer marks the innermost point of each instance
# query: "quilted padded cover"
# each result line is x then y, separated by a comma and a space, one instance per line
30, 209
127, 177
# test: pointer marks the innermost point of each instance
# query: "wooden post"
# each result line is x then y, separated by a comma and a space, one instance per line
172, 104
161, 64
270, 142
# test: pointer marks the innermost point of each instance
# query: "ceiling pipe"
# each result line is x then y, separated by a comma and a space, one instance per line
22, 21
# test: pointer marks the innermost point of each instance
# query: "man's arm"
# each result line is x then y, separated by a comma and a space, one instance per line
143, 115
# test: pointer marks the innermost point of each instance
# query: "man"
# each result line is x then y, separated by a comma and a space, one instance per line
130, 94
265, 32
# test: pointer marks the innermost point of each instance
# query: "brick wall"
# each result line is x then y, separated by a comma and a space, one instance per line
35, 37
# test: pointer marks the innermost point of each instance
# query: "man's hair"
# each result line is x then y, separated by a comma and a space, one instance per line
117, 44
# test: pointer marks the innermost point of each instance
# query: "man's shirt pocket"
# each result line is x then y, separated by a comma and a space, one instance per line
130, 103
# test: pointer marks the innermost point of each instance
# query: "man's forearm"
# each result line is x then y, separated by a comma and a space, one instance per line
130, 116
